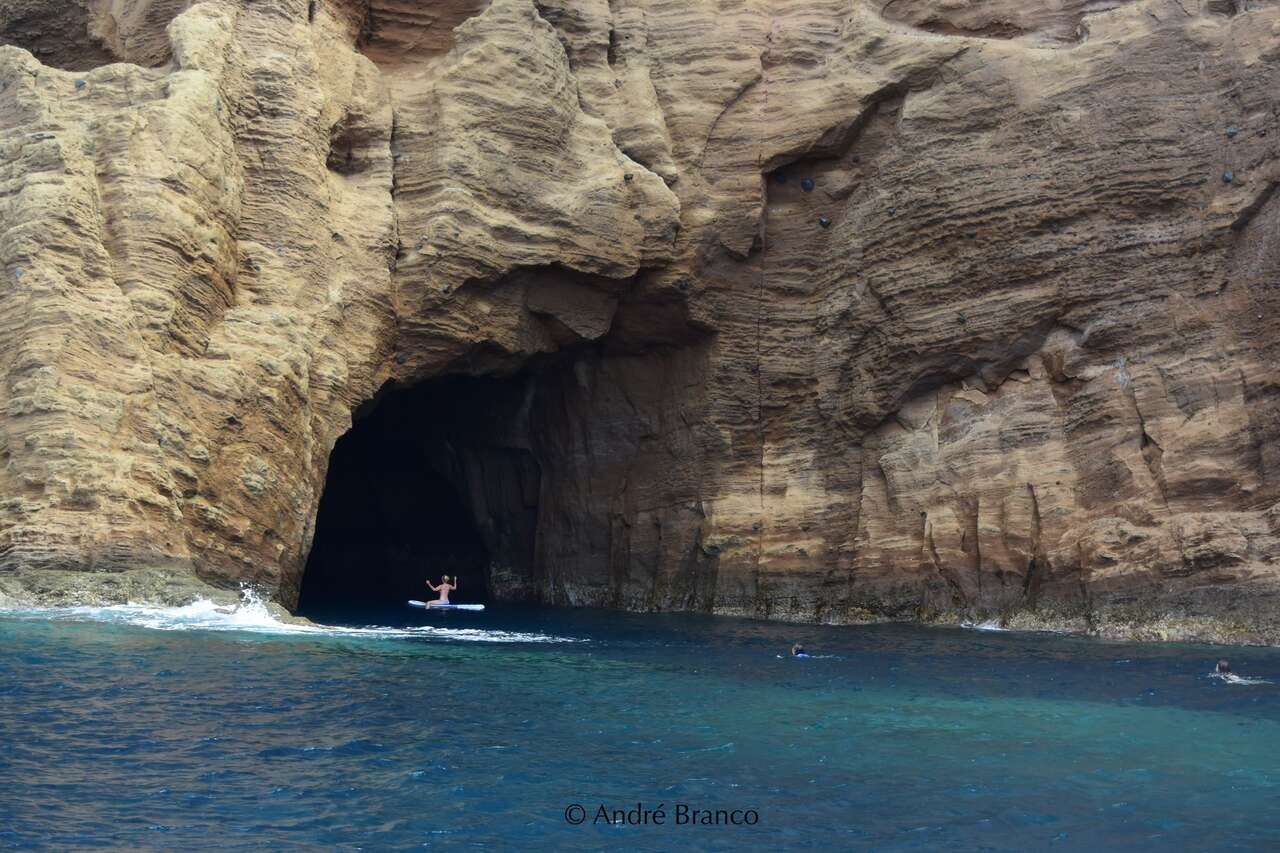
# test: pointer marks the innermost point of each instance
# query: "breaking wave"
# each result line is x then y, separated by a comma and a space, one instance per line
989, 625
252, 615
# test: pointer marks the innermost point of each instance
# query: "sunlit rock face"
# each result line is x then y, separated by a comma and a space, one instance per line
802, 309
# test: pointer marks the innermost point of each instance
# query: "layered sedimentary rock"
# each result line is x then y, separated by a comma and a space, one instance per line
814, 309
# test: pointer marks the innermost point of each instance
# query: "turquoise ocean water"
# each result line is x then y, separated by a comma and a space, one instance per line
144, 728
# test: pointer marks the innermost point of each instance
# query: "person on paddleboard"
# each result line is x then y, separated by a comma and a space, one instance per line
442, 590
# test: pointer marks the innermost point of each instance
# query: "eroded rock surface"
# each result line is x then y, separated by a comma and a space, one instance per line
815, 309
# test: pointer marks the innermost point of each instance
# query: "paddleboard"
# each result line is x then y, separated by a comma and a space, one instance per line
426, 606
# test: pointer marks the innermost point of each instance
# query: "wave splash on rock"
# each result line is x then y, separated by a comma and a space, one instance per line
254, 614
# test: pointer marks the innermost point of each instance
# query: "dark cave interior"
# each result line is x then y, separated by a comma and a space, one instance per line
430, 480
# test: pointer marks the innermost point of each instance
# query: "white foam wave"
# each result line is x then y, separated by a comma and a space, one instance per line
252, 615
1232, 678
989, 625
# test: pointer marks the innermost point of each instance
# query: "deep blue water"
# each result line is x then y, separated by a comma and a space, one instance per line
116, 735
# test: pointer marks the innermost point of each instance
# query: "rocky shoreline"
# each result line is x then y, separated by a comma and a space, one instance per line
1255, 625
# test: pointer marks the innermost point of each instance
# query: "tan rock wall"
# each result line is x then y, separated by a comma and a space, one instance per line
828, 310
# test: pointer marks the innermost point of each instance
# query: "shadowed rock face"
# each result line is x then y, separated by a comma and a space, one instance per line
1045, 22
803, 309
78, 35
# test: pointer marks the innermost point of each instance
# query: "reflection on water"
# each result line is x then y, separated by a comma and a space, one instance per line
480, 729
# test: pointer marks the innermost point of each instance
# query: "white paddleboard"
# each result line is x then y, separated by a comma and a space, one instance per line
425, 606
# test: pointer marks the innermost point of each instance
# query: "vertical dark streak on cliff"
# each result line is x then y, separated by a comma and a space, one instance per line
1255, 438
611, 54
1003, 574
957, 591
1152, 453
1084, 586
618, 549
890, 500
1030, 583
656, 594
977, 549
977, 544
393, 145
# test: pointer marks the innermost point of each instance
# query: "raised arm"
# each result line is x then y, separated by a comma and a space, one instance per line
434, 588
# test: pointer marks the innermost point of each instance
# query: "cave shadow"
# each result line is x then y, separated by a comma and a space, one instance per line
410, 495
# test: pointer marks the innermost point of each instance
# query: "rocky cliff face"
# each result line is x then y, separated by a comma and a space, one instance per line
806, 309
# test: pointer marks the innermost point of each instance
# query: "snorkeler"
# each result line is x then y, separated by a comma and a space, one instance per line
797, 651
443, 590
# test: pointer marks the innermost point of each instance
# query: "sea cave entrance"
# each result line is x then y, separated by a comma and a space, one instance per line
433, 479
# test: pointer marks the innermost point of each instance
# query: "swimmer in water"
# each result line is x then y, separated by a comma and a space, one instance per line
1223, 671
797, 651
443, 590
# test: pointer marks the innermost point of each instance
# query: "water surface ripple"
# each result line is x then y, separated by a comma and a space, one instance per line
478, 730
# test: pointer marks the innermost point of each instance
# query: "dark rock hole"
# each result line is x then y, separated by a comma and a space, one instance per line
612, 55
76, 35
348, 150
58, 37
427, 482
